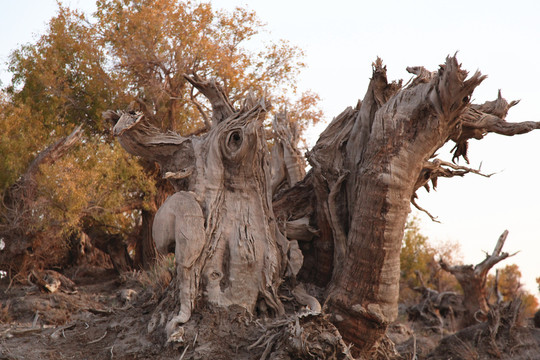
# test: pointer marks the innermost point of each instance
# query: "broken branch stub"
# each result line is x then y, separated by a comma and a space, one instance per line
221, 106
479, 120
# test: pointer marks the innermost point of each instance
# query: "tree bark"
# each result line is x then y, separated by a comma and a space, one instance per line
287, 166
241, 256
349, 211
473, 282
367, 166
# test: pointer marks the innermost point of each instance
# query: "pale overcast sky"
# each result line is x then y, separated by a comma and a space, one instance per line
342, 38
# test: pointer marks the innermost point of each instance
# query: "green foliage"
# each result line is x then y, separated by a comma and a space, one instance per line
21, 137
63, 76
96, 180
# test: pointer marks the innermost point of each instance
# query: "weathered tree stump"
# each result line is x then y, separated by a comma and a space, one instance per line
227, 243
352, 205
473, 282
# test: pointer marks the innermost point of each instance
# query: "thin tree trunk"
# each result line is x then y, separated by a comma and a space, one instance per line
146, 253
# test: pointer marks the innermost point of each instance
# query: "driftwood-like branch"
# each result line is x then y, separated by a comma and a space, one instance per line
435, 169
418, 207
53, 152
172, 152
496, 257
479, 120
221, 106
143, 139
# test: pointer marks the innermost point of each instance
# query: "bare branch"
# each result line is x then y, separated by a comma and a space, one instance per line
500, 243
479, 120
207, 123
221, 106
496, 288
422, 74
171, 151
433, 218
53, 152
483, 268
141, 138
438, 168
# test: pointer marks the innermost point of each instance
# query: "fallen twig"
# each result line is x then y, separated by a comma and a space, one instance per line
99, 311
184, 352
55, 335
17, 332
195, 340
36, 317
97, 340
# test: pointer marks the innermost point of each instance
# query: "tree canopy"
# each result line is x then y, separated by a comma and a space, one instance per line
136, 54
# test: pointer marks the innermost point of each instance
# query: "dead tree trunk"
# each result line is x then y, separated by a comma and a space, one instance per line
224, 229
473, 282
366, 168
